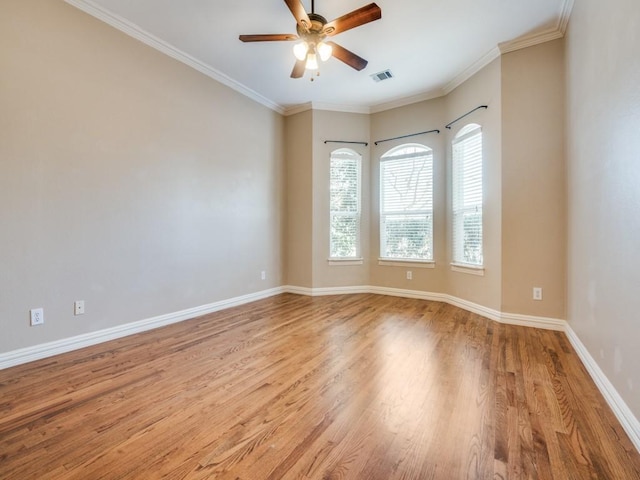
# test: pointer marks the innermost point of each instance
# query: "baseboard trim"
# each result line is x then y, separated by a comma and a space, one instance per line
624, 415
533, 321
38, 352
507, 318
620, 409
319, 292
627, 419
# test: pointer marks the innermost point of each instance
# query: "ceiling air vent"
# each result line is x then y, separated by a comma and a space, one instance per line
380, 76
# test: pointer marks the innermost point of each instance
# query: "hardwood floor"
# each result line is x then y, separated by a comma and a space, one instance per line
292, 387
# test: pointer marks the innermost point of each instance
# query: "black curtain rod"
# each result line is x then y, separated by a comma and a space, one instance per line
344, 141
468, 113
405, 136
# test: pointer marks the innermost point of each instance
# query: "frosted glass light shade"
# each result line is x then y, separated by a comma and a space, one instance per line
312, 62
324, 50
300, 50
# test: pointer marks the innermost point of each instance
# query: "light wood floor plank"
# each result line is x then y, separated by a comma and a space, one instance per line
291, 387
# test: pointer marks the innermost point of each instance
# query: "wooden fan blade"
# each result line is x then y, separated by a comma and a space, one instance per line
299, 13
269, 37
358, 17
347, 56
298, 69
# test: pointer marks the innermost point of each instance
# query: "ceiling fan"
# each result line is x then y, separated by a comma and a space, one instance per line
313, 29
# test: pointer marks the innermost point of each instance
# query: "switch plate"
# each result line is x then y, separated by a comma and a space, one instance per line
537, 293
409, 275
78, 307
37, 316
263, 275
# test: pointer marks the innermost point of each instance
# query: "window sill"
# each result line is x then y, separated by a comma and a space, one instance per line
468, 269
392, 262
343, 262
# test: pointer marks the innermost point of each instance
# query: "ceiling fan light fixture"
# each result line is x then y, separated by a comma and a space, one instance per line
312, 61
300, 50
312, 29
325, 51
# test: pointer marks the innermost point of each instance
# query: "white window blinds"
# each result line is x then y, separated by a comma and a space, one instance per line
344, 199
406, 203
467, 196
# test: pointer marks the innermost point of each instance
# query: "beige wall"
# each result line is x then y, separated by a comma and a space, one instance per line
484, 88
524, 187
136, 184
603, 125
337, 126
128, 180
418, 117
299, 198
533, 180
143, 187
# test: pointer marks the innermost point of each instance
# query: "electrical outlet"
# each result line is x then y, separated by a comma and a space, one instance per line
37, 316
263, 275
409, 275
537, 293
78, 307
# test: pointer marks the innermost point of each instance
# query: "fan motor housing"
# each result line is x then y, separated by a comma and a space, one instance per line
317, 24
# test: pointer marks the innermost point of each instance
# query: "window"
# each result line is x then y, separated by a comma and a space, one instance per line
467, 196
344, 199
406, 203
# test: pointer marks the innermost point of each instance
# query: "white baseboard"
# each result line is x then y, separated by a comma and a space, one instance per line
507, 318
37, 352
626, 418
532, 321
318, 292
620, 409
629, 422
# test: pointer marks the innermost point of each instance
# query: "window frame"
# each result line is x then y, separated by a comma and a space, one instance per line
395, 154
467, 134
356, 259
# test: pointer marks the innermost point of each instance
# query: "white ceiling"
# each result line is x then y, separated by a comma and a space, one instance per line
430, 46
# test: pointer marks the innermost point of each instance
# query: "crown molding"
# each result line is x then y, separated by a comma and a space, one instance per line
565, 15
530, 40
381, 107
403, 101
145, 37
330, 107
303, 107
340, 108
547, 35
471, 70
138, 33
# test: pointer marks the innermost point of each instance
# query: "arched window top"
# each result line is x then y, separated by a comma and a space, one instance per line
406, 150
468, 130
346, 154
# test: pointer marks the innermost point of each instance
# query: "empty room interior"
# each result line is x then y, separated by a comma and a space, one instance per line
413, 256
